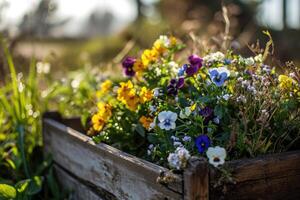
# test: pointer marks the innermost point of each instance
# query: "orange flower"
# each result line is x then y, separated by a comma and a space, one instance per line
146, 121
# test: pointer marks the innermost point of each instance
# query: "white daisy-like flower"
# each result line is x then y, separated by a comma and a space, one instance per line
167, 120
216, 155
185, 113
43, 67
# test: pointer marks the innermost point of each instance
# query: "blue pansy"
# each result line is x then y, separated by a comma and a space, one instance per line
202, 143
182, 70
219, 75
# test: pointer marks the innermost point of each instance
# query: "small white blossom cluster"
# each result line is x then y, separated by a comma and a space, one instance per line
43, 67
178, 159
164, 40
213, 57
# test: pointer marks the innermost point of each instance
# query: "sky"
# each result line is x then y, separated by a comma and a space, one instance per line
270, 13
77, 10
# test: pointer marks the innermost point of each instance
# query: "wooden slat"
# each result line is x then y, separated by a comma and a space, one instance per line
125, 176
74, 187
274, 176
196, 182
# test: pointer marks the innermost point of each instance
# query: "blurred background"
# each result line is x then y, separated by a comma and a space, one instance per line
69, 34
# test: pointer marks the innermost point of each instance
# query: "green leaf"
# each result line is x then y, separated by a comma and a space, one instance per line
140, 129
35, 185
7, 192
22, 186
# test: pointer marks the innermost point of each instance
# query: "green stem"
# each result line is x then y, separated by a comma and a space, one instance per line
21, 139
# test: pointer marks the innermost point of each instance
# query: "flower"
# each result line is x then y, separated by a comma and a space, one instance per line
138, 67
195, 65
105, 110
216, 155
146, 121
128, 64
285, 82
98, 122
167, 120
104, 88
157, 92
186, 138
149, 56
182, 69
202, 143
185, 113
213, 57
132, 101
145, 95
124, 91
207, 113
219, 75
173, 160
179, 158
174, 85
249, 61
43, 67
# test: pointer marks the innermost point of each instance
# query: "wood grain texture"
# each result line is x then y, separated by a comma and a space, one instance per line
100, 165
74, 187
275, 176
196, 180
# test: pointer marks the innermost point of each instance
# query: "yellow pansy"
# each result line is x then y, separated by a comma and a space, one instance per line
146, 121
138, 67
124, 90
173, 40
105, 110
149, 56
159, 46
98, 122
132, 102
145, 95
104, 88
285, 82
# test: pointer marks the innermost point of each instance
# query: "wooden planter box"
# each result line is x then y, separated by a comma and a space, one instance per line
99, 171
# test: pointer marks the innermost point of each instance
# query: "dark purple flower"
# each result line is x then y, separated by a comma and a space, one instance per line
129, 71
195, 60
128, 62
207, 113
195, 65
202, 143
174, 85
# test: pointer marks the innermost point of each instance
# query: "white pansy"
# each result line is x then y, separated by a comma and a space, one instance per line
167, 120
216, 155
249, 61
185, 113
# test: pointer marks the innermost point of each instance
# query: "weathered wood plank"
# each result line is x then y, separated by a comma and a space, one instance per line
76, 189
125, 176
274, 176
196, 180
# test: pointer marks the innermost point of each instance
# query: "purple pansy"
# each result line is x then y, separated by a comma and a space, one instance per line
207, 113
127, 65
202, 143
195, 64
174, 85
